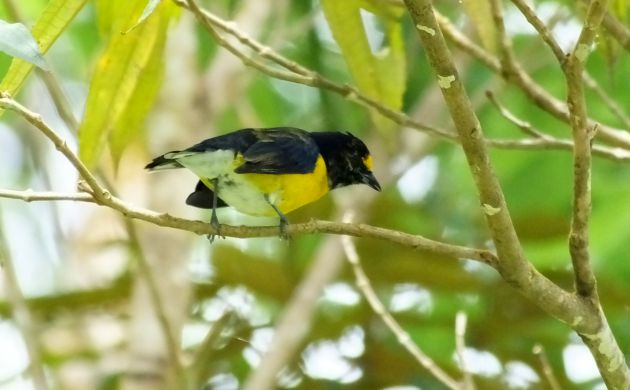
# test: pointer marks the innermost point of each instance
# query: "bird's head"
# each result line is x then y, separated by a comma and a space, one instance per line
348, 160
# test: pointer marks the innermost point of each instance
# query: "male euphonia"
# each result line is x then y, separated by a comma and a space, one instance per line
269, 171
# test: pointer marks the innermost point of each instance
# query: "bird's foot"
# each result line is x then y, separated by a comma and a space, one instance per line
214, 222
284, 224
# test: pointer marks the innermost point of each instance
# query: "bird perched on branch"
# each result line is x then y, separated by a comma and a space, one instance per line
267, 172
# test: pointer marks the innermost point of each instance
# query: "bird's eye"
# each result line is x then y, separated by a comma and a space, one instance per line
367, 161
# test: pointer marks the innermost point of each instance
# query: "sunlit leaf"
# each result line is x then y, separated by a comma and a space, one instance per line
126, 79
51, 23
480, 15
17, 41
380, 72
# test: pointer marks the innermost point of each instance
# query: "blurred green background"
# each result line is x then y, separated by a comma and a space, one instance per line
77, 264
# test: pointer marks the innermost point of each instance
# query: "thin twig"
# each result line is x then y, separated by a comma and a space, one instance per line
521, 79
541, 28
582, 137
363, 283
609, 102
413, 241
545, 141
610, 153
314, 79
460, 347
22, 315
37, 196
298, 73
547, 371
525, 127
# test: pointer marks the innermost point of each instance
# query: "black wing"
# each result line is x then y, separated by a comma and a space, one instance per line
202, 197
274, 150
280, 150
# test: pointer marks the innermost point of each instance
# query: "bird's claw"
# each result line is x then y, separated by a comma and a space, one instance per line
214, 222
284, 234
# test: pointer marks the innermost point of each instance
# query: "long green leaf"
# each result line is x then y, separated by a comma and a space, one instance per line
50, 24
379, 75
126, 79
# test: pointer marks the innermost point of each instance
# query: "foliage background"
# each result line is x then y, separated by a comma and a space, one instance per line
77, 263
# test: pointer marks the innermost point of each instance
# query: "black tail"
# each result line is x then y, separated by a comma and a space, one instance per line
162, 162
202, 197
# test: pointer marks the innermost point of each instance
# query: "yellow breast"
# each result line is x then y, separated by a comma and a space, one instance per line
291, 191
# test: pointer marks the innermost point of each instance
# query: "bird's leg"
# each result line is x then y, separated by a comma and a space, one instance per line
214, 220
284, 222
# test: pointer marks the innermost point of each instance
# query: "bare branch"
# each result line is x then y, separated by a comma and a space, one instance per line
416, 242
513, 266
363, 283
613, 154
547, 371
512, 261
301, 75
460, 347
35, 196
525, 127
541, 28
582, 138
544, 141
612, 105
297, 73
518, 77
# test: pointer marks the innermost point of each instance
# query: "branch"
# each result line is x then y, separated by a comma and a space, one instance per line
613, 154
363, 283
517, 76
512, 265
609, 102
512, 262
412, 241
545, 141
541, 28
460, 347
302, 75
524, 126
38, 196
582, 137
298, 73
547, 371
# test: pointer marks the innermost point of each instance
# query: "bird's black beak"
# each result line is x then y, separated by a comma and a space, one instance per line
369, 179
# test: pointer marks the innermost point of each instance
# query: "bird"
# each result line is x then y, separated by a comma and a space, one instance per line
270, 171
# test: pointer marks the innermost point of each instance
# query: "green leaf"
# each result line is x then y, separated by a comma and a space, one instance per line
50, 24
480, 14
381, 74
17, 41
127, 77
